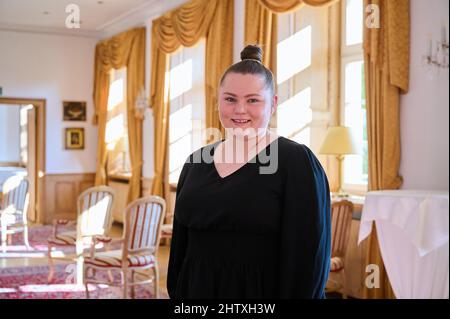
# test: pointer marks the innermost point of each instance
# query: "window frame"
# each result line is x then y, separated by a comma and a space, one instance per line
349, 54
198, 117
121, 176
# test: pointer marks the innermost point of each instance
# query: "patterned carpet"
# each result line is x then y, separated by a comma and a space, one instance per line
38, 243
30, 282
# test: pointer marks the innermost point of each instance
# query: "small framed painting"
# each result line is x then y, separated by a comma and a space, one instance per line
75, 138
74, 111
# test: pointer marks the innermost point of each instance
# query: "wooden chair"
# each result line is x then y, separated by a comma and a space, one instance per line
142, 232
94, 220
341, 220
167, 229
14, 208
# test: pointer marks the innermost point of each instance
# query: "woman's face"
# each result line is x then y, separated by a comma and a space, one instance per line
245, 103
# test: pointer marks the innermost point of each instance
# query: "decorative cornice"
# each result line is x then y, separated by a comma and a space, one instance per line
47, 30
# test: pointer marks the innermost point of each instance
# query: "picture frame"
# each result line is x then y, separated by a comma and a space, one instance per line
74, 111
74, 138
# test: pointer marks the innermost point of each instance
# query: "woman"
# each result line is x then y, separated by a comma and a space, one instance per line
258, 225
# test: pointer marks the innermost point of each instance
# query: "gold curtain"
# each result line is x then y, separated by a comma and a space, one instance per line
125, 49
386, 63
212, 19
261, 23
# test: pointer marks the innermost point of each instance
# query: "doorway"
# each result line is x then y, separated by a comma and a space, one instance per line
22, 149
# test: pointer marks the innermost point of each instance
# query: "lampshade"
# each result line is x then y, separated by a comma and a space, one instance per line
339, 140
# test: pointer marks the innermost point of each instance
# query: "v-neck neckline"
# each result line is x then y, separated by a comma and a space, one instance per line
253, 159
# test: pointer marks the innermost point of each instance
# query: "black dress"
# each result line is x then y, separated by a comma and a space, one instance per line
252, 235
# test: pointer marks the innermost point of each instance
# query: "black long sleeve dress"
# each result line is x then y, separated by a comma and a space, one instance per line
252, 235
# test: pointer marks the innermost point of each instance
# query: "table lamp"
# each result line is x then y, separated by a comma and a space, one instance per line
339, 142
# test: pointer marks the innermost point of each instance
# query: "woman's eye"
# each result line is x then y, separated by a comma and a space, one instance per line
230, 99
253, 101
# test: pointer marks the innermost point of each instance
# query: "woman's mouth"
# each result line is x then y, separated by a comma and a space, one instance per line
240, 121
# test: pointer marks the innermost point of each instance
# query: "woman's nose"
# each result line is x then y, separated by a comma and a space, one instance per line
239, 108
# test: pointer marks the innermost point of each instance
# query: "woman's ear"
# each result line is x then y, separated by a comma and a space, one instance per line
274, 104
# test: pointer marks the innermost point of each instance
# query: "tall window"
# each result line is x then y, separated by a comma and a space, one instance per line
302, 77
187, 105
294, 113
353, 100
116, 134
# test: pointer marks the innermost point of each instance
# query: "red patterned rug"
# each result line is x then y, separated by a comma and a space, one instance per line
37, 237
31, 283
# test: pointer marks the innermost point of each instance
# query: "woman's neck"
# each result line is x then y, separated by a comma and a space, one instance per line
238, 148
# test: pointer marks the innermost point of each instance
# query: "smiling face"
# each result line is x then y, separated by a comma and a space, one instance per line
245, 103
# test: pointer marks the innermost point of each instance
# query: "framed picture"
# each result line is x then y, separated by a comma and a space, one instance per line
74, 111
75, 138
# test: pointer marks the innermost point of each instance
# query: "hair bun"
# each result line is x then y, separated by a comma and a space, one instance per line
252, 52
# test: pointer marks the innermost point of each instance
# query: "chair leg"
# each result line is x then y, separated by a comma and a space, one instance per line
25, 236
111, 277
343, 280
80, 262
156, 281
125, 284
133, 274
50, 264
4, 236
86, 282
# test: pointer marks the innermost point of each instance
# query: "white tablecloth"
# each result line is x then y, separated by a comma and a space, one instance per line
412, 229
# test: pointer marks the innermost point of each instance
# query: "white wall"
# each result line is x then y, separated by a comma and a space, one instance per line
425, 109
55, 68
9, 133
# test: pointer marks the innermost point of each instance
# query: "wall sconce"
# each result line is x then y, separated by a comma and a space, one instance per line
436, 57
142, 103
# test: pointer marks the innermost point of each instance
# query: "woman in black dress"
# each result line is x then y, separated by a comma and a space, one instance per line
258, 225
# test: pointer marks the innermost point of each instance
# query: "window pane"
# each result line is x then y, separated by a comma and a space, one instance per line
116, 131
180, 123
294, 116
293, 54
180, 79
115, 96
355, 166
354, 22
179, 151
185, 78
